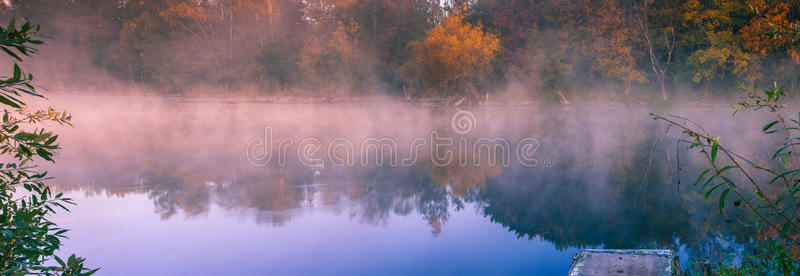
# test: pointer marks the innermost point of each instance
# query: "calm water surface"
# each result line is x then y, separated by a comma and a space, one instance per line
164, 187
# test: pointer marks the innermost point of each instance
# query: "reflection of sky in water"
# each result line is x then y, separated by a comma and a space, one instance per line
124, 236
140, 170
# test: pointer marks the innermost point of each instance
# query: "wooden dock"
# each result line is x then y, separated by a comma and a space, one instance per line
625, 262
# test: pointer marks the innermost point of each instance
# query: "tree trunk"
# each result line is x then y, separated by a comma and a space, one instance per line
472, 94
627, 87
562, 98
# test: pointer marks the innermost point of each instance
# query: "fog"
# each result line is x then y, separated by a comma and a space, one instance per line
189, 156
499, 121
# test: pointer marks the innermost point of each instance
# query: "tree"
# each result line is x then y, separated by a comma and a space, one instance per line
610, 42
722, 56
277, 64
552, 62
385, 28
759, 36
28, 239
146, 37
336, 57
719, 51
513, 19
514, 22
661, 44
278, 50
452, 59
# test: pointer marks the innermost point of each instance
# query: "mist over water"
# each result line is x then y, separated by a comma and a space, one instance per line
177, 168
397, 137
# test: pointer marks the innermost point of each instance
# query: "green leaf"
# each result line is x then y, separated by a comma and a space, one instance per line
722, 198
709, 180
27, 136
761, 195
779, 151
61, 262
8, 102
714, 149
24, 150
51, 140
701, 176
708, 193
44, 154
767, 126
11, 53
783, 174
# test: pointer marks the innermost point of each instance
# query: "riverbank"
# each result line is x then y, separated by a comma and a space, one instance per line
458, 102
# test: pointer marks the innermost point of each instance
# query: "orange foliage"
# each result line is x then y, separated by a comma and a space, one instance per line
759, 35
208, 12
454, 54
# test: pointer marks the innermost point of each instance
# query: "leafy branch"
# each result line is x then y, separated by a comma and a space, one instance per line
775, 207
28, 238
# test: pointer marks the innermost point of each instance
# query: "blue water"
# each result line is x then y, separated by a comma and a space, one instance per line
163, 187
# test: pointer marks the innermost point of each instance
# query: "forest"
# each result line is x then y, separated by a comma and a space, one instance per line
168, 93
550, 50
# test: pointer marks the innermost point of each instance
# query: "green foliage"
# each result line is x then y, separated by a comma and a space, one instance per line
774, 204
277, 65
28, 238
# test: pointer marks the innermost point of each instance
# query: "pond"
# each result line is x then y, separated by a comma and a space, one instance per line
168, 185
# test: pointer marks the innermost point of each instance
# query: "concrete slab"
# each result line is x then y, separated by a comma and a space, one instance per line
624, 262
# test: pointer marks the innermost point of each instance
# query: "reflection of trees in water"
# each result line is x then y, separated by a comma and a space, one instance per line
612, 186
631, 202
571, 205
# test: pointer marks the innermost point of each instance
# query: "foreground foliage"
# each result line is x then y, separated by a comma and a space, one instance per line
28, 239
734, 178
766, 189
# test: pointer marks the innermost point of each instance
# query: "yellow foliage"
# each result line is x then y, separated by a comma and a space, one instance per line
339, 57
724, 52
722, 56
452, 56
612, 43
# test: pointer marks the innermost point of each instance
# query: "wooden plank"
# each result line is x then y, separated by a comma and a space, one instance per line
590, 262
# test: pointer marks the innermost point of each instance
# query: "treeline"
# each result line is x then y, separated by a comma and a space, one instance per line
424, 48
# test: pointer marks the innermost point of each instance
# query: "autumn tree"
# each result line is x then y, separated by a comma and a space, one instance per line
554, 46
277, 52
348, 49
609, 39
336, 57
316, 60
719, 51
384, 30
515, 22
146, 38
453, 59
552, 62
214, 37
760, 37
